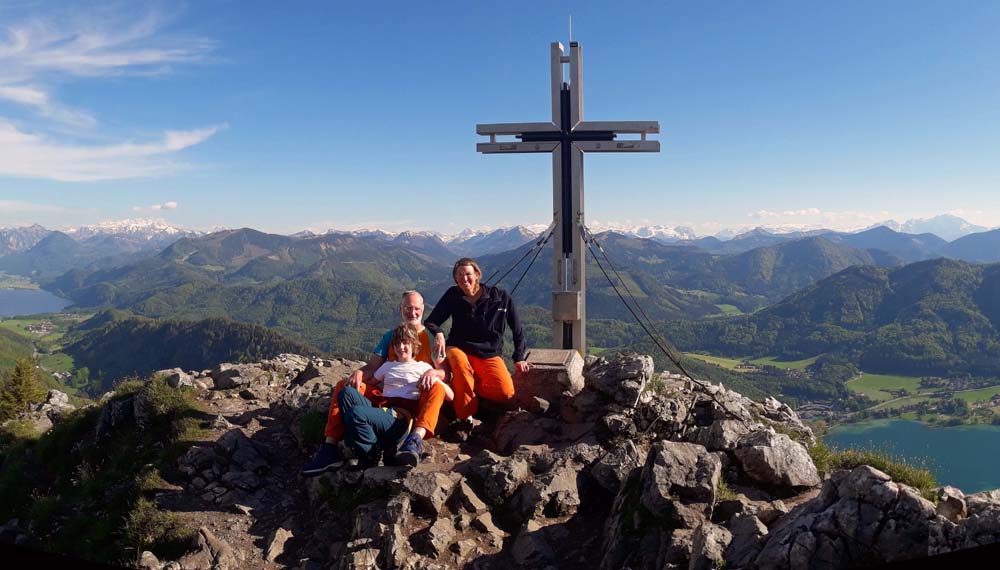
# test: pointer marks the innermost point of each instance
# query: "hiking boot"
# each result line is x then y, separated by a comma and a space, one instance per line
409, 452
359, 461
328, 457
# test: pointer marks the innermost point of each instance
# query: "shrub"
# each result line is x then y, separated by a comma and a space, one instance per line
901, 470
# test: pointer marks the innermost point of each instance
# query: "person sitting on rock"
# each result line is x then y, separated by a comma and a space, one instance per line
411, 308
370, 430
479, 316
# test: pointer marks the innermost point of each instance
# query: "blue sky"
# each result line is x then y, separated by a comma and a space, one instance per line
284, 116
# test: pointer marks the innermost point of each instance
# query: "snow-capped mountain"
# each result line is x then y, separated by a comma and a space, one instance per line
946, 226
14, 240
141, 229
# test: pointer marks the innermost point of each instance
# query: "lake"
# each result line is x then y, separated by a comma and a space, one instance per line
967, 457
14, 302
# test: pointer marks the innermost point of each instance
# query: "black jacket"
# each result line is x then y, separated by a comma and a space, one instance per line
478, 330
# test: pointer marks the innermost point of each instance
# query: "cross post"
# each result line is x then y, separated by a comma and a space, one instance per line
568, 137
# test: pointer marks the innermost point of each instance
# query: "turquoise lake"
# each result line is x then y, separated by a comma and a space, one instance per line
14, 302
967, 457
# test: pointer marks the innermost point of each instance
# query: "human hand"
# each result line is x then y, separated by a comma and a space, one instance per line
427, 380
439, 347
356, 379
522, 366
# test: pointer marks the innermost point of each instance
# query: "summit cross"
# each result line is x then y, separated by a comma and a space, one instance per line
568, 137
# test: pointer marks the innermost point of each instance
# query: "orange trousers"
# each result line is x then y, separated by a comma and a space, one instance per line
425, 411
472, 376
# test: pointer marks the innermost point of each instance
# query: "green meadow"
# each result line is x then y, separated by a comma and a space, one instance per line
877, 386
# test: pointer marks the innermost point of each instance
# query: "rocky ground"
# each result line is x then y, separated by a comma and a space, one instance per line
624, 469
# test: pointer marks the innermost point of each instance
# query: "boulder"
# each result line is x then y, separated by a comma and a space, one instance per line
498, 476
621, 377
951, 503
675, 471
611, 471
774, 460
707, 546
429, 490
176, 377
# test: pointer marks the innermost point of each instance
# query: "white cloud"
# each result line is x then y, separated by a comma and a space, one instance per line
40, 53
815, 218
35, 156
156, 207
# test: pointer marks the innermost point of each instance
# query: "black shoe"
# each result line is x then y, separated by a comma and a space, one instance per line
327, 458
358, 461
409, 452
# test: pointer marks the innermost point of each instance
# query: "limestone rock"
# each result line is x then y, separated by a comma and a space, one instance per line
176, 377
276, 543
621, 377
707, 547
678, 471
465, 499
774, 460
211, 553
430, 490
241, 451
498, 476
435, 539
951, 503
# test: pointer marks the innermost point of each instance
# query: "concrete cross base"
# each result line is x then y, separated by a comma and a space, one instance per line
554, 374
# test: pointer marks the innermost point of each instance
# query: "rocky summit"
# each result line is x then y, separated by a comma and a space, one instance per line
629, 469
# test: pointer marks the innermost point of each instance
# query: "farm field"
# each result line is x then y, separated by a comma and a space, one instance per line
980, 395
877, 386
732, 363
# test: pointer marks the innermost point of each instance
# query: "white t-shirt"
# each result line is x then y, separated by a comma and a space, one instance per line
399, 379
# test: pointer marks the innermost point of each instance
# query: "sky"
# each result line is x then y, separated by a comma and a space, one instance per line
316, 115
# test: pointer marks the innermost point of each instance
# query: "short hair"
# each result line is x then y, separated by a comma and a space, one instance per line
406, 294
404, 332
466, 261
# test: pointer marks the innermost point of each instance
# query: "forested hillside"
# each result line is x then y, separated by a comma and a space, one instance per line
937, 317
113, 345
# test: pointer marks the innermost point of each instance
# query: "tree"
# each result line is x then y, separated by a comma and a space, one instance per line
20, 389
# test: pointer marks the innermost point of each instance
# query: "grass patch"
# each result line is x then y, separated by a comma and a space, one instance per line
877, 386
902, 470
84, 495
727, 363
727, 310
902, 402
784, 364
57, 362
980, 395
723, 492
312, 426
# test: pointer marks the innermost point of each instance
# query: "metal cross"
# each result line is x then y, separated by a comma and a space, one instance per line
567, 137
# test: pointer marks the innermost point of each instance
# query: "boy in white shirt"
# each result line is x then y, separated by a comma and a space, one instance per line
368, 429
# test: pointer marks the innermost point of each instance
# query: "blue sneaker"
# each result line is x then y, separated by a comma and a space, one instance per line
328, 457
409, 452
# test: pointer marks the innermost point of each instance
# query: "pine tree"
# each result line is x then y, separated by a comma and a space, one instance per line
20, 389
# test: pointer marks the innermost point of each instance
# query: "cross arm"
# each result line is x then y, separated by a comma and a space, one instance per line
516, 147
618, 146
640, 127
514, 128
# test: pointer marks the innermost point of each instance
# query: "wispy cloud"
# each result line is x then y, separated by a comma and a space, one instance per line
815, 218
156, 207
35, 156
39, 54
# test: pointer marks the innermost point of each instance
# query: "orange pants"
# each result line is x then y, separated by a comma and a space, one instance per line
428, 408
472, 376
